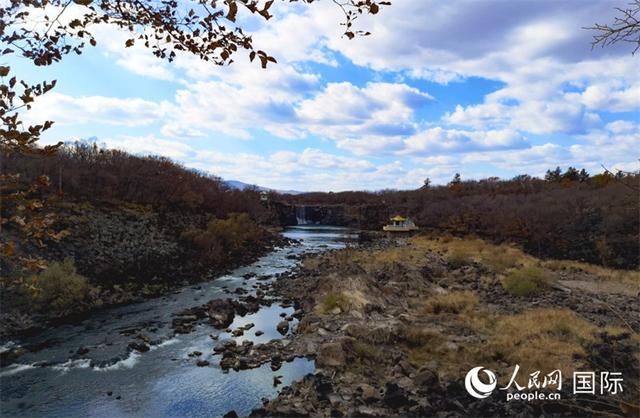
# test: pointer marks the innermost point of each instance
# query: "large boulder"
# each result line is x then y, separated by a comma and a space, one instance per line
221, 313
426, 378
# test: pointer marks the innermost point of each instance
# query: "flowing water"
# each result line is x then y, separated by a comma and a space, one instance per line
54, 379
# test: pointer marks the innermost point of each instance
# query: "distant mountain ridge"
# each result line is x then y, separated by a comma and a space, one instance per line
235, 184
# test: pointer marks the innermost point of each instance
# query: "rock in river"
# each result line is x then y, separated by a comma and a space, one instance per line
139, 346
283, 327
221, 313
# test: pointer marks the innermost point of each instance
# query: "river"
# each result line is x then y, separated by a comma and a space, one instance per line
54, 379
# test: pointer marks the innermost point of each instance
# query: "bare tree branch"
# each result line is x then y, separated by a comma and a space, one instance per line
625, 28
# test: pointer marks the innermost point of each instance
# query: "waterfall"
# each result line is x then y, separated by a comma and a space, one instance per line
301, 217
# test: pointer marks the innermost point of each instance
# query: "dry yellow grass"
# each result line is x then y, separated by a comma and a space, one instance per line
505, 257
541, 339
431, 346
416, 336
631, 277
459, 258
527, 281
312, 263
346, 293
333, 300
498, 257
458, 251
454, 302
378, 259
472, 334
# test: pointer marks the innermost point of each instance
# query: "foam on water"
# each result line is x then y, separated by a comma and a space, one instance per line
82, 363
8, 346
126, 363
164, 343
16, 368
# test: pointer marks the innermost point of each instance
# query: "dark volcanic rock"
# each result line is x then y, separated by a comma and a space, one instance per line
139, 346
396, 397
221, 313
283, 327
224, 345
82, 350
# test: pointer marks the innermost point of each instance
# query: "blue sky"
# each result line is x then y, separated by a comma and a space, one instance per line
484, 88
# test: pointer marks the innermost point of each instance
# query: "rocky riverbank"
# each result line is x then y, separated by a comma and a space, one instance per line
394, 327
126, 253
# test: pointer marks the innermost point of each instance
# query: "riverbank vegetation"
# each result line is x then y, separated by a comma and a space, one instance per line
222, 239
58, 289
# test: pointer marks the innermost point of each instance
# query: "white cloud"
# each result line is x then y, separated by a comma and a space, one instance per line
68, 110
310, 169
372, 145
596, 149
434, 141
340, 111
622, 126
440, 140
490, 38
150, 145
343, 110
535, 49
482, 115
610, 96
235, 108
540, 117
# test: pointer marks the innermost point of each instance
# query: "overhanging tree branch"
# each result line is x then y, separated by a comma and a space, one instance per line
625, 28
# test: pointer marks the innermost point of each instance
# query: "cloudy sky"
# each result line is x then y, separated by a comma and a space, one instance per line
484, 88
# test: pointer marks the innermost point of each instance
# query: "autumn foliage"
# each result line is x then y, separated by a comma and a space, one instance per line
224, 239
85, 172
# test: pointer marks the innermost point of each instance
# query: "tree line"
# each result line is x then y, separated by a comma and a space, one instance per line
567, 215
86, 172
